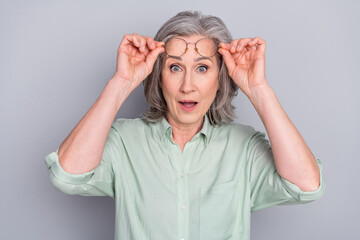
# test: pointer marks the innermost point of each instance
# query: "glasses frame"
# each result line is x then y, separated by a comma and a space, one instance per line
187, 47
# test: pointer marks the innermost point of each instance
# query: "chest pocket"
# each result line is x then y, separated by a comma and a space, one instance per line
218, 209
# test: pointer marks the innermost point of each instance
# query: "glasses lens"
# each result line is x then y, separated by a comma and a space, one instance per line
206, 47
175, 47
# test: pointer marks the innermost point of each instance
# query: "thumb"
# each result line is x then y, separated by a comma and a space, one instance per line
228, 59
152, 56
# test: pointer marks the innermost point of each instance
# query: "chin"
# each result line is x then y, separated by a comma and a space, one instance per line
190, 118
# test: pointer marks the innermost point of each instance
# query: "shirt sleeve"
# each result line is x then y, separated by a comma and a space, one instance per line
97, 182
268, 188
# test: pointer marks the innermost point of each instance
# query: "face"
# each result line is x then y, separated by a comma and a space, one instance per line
189, 84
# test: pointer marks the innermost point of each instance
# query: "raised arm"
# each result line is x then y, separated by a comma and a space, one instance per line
245, 60
82, 149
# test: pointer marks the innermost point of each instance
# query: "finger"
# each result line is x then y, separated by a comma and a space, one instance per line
129, 40
159, 44
146, 51
228, 59
258, 43
241, 47
250, 46
145, 44
150, 43
152, 56
238, 44
224, 45
233, 45
133, 38
138, 42
141, 42
144, 48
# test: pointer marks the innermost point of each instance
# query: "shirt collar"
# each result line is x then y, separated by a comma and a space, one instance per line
164, 129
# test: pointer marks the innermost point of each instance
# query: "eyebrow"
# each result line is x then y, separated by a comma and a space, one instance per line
196, 60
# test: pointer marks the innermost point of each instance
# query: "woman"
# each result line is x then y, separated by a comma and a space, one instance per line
184, 171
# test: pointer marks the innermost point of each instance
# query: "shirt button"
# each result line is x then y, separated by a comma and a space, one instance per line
182, 239
85, 188
183, 206
182, 174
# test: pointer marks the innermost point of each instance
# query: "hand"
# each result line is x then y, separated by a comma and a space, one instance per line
245, 60
136, 57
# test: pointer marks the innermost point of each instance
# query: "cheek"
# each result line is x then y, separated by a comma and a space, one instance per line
168, 89
211, 90
170, 83
214, 85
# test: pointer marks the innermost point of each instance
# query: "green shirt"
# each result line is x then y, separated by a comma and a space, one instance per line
206, 192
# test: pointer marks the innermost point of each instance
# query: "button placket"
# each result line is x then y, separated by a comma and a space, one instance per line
183, 197
184, 163
181, 191
187, 157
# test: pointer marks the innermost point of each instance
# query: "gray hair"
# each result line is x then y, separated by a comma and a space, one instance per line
189, 23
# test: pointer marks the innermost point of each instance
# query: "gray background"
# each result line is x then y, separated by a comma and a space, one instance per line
56, 57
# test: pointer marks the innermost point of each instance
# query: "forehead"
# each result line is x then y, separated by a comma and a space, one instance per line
190, 38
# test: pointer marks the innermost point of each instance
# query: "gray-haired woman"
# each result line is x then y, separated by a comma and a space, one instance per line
184, 171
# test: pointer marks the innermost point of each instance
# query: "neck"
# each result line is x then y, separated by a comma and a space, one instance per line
183, 133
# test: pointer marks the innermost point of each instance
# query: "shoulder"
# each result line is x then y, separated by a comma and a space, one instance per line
130, 125
233, 135
135, 132
235, 130
120, 122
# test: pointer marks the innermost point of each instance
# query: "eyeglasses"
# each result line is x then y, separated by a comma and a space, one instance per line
176, 47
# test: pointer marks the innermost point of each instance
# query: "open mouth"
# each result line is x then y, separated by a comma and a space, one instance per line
188, 105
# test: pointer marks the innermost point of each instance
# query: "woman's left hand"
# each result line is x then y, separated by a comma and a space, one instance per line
245, 61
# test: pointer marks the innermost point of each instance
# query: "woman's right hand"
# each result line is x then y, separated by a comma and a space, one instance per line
136, 57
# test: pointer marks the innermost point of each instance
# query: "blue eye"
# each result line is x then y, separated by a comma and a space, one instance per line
174, 68
202, 68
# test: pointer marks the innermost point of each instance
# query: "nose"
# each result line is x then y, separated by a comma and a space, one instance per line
187, 85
